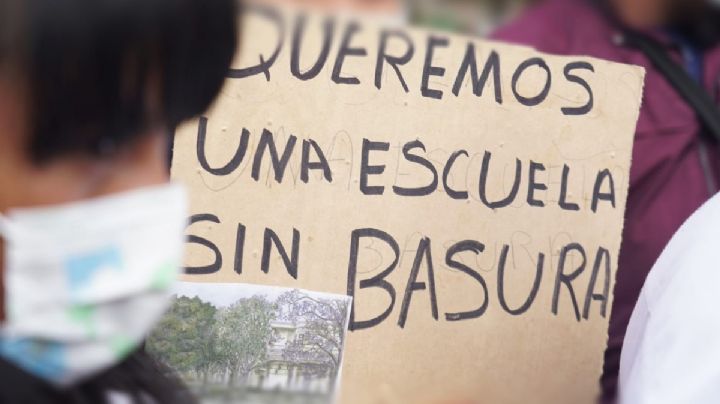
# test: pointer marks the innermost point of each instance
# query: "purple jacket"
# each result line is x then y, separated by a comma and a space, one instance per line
674, 169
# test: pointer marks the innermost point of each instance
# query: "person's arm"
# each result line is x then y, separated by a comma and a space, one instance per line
672, 352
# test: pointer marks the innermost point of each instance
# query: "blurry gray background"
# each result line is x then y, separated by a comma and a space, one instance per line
478, 17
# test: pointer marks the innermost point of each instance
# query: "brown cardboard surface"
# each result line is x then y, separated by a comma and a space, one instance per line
547, 352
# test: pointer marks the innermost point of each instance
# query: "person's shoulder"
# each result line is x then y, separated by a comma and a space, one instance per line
550, 25
689, 261
676, 326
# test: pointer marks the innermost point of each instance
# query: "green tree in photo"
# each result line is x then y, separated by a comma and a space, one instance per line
243, 333
185, 339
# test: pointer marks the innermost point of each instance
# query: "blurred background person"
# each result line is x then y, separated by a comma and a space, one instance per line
91, 230
676, 162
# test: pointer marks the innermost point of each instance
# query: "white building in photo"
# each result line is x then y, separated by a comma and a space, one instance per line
281, 375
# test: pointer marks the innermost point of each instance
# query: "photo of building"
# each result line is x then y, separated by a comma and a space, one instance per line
280, 374
259, 344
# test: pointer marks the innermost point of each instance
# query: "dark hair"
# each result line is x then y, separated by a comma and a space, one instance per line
100, 73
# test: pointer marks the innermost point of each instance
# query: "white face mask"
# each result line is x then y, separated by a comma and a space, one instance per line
85, 282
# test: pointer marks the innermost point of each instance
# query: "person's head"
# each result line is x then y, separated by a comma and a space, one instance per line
89, 90
645, 14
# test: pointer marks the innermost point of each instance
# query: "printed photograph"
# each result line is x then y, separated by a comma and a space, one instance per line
254, 344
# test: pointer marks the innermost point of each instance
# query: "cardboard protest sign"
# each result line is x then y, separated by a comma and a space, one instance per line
469, 196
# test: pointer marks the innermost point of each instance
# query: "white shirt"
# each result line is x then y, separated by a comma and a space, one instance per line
671, 352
